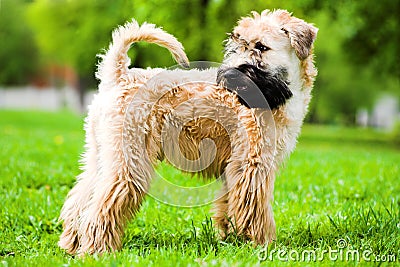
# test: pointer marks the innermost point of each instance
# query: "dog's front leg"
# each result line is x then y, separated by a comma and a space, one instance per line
220, 211
249, 202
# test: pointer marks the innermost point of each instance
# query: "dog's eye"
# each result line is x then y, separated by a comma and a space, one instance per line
233, 36
285, 31
260, 47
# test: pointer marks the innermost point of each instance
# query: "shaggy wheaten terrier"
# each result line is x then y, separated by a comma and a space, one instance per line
251, 107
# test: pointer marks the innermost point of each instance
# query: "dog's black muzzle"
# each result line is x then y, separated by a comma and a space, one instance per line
255, 87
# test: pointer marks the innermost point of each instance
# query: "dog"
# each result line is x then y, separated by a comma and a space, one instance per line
251, 107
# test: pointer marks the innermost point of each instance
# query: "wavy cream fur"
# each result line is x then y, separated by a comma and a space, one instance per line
124, 132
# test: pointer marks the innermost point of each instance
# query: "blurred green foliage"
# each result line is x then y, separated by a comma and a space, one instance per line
357, 49
18, 52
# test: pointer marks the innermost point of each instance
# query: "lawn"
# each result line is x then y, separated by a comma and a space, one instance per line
338, 198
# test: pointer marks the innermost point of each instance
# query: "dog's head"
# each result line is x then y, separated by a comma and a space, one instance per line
267, 50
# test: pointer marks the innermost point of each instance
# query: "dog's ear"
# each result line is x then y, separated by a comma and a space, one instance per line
302, 36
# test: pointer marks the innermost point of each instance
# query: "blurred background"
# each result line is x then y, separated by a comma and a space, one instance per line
48, 50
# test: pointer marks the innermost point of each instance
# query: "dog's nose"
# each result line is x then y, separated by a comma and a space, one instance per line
229, 74
232, 79
247, 91
255, 88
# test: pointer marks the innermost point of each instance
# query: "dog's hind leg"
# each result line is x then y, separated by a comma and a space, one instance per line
80, 194
123, 175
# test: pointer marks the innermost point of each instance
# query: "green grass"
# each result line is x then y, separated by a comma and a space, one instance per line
340, 184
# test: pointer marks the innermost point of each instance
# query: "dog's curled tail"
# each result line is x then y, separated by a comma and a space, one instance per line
115, 62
